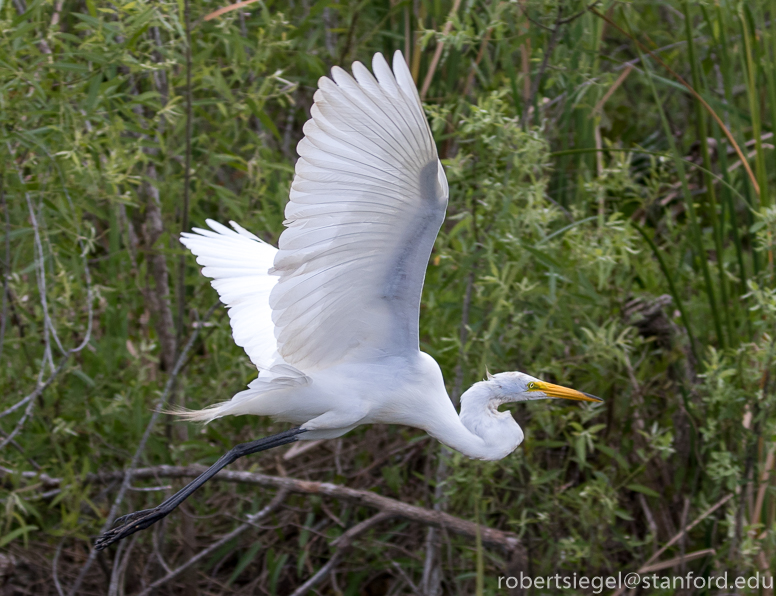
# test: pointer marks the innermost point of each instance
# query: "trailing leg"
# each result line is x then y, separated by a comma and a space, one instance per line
140, 520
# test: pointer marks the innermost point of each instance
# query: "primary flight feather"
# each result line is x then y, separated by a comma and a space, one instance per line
330, 317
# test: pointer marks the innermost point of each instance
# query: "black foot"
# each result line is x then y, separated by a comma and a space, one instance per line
140, 520
127, 525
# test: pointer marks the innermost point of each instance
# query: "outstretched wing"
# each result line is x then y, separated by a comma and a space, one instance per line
366, 204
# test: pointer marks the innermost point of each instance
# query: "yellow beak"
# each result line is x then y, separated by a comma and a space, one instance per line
552, 390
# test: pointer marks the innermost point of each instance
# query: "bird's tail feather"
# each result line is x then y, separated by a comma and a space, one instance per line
205, 415
250, 401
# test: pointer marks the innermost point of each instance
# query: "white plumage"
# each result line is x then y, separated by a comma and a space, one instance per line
330, 318
238, 262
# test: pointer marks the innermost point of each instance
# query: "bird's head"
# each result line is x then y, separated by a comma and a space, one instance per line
498, 430
517, 386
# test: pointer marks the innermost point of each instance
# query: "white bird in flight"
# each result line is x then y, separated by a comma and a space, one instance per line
330, 318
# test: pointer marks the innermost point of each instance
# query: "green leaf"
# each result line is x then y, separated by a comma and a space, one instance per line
269, 124
71, 66
393, 477
84, 377
640, 488
615, 455
245, 560
14, 534
92, 97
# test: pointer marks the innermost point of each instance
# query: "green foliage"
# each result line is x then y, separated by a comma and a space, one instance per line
602, 233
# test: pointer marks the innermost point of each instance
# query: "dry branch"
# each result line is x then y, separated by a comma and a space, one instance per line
127, 475
650, 564
6, 266
491, 537
159, 298
342, 544
507, 541
252, 519
437, 51
225, 9
48, 328
700, 554
186, 179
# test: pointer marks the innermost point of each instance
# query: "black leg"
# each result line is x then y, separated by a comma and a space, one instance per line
140, 520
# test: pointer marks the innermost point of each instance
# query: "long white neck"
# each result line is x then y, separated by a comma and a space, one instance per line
480, 431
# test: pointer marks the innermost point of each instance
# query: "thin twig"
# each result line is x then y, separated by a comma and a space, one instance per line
321, 574
120, 563
600, 105
186, 178
565, 21
84, 252
21, 450
678, 560
31, 399
437, 51
483, 46
686, 529
48, 324
157, 551
648, 565
54, 567
252, 519
225, 9
6, 265
545, 60
129, 473
342, 544
694, 93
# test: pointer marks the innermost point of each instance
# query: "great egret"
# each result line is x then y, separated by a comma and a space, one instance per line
330, 318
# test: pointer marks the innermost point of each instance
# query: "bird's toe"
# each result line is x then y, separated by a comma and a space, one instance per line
127, 525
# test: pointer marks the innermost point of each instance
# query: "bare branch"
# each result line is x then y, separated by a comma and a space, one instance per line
48, 325
527, 115
159, 299
437, 51
648, 566
186, 177
507, 541
120, 567
130, 471
30, 400
342, 544
54, 566
252, 519
6, 266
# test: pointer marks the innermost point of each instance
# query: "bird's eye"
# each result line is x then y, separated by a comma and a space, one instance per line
532, 385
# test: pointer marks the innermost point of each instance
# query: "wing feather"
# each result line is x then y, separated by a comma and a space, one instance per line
239, 263
366, 204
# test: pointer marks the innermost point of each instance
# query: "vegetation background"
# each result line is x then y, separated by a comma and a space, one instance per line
603, 232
